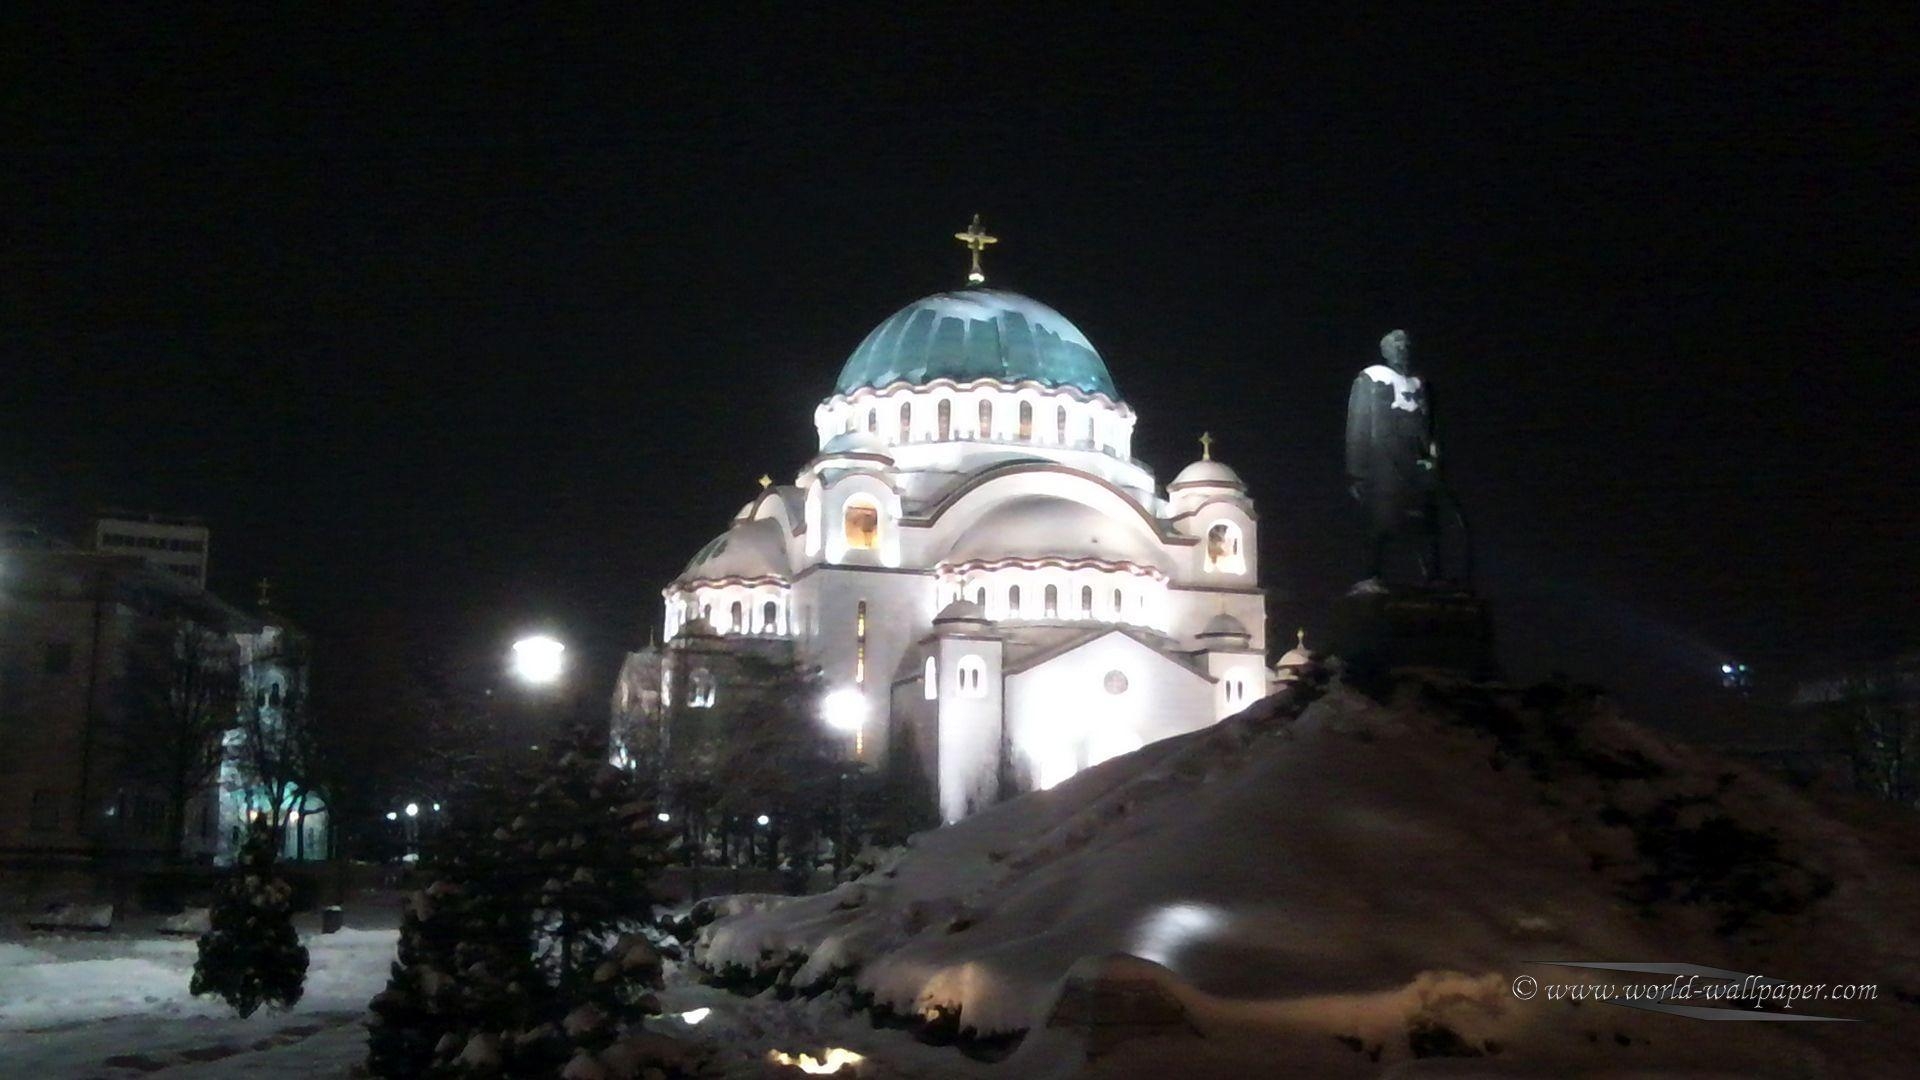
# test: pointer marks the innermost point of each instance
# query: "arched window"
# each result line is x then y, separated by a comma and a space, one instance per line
706, 613
1086, 601
700, 690
1117, 608
971, 676
736, 622
943, 414
980, 597
986, 418
931, 678
1013, 601
860, 644
1026, 421
862, 525
1090, 439
849, 423
1223, 549
769, 617
1051, 602
1060, 424
906, 420
873, 421
273, 694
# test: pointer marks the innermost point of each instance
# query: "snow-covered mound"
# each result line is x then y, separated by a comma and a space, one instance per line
1338, 886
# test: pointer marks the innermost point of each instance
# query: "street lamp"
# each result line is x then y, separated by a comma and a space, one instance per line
538, 660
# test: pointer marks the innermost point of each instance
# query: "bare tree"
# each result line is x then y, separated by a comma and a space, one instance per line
182, 683
1879, 732
274, 738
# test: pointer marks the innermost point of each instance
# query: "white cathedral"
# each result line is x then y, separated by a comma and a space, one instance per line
991, 585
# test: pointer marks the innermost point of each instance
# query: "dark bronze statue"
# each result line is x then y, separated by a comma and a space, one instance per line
1393, 459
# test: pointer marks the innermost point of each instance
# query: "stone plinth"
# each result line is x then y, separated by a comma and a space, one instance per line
1386, 628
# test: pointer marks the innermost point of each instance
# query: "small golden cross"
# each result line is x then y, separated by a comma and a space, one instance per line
765, 481
976, 240
1300, 637
1206, 446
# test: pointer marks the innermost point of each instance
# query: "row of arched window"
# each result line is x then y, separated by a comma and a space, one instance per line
1051, 606
945, 428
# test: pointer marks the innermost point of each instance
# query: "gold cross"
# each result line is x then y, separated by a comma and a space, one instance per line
1206, 446
976, 240
265, 585
1300, 638
765, 481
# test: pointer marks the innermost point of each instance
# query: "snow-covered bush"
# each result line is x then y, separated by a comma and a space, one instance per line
252, 956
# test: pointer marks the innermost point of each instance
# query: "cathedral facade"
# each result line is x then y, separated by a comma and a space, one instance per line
995, 591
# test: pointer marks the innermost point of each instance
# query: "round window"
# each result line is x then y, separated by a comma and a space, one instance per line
1116, 682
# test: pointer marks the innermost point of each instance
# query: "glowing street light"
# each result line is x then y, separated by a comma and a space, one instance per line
664, 817
413, 809
763, 821
538, 660
391, 816
844, 709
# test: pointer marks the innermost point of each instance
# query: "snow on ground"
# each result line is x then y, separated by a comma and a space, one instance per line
117, 1005
1352, 874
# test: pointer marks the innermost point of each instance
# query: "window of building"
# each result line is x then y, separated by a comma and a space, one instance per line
735, 618
931, 678
849, 423
873, 421
986, 419
1050, 602
700, 689
45, 813
57, 658
863, 526
860, 644
1060, 424
1090, 436
1086, 601
906, 420
1117, 608
1013, 601
1026, 421
1223, 549
943, 415
706, 614
1115, 682
273, 694
769, 617
980, 598
971, 676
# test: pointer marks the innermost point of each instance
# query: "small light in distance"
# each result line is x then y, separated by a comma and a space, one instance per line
694, 1016
836, 1058
413, 809
664, 817
391, 816
763, 820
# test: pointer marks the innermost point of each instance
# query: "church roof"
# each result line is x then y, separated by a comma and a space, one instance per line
748, 550
1037, 527
973, 334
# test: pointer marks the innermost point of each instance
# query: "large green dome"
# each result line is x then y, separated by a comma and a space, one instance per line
977, 334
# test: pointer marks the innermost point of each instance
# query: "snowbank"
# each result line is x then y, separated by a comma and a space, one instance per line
1334, 887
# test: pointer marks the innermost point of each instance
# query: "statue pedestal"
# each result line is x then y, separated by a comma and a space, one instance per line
1380, 628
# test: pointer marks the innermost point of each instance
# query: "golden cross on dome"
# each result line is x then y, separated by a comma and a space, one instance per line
266, 599
1206, 446
976, 240
765, 481
1300, 638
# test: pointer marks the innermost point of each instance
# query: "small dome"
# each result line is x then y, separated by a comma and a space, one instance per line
1207, 473
1042, 527
961, 611
1295, 658
977, 334
751, 549
1224, 625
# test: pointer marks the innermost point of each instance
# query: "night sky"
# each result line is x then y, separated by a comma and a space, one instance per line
457, 324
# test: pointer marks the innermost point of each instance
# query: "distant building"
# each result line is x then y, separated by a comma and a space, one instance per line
78, 779
175, 544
